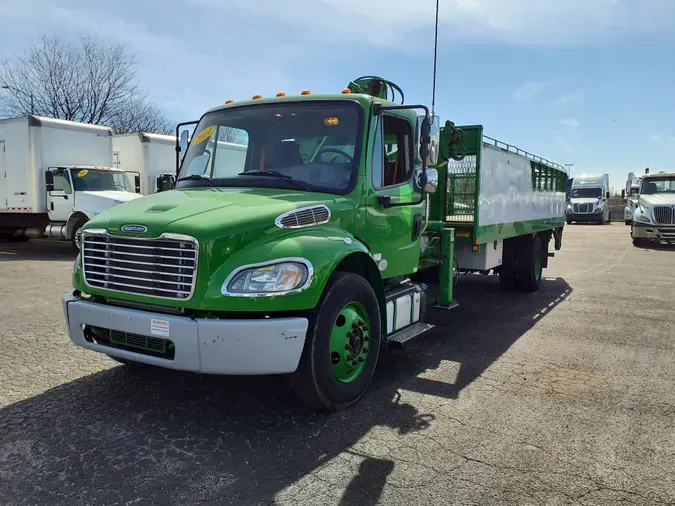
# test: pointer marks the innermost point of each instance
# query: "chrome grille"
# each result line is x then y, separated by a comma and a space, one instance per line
664, 215
305, 217
164, 267
582, 208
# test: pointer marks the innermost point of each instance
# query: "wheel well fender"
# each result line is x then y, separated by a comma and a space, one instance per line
75, 218
362, 264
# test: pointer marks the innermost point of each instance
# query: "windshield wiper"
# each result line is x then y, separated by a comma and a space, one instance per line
195, 177
274, 173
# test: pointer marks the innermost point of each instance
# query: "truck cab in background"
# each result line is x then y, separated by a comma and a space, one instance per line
654, 214
589, 199
77, 194
150, 156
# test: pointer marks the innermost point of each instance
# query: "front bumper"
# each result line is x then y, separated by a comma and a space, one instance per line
659, 233
583, 217
210, 346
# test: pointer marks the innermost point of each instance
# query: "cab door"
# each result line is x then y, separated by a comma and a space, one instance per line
392, 233
61, 199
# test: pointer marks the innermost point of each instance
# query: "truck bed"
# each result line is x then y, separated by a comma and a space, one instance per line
498, 190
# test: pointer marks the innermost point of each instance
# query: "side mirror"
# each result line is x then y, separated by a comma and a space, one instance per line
137, 183
430, 129
607, 195
49, 180
623, 194
184, 138
431, 183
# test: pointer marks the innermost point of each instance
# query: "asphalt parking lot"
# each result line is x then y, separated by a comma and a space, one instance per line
565, 396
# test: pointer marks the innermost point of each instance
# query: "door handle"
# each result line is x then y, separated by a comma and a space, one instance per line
52, 206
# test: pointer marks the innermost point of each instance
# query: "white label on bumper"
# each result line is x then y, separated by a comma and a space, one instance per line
159, 328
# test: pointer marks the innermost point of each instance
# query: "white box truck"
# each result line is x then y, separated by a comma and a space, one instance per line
151, 156
589, 199
56, 175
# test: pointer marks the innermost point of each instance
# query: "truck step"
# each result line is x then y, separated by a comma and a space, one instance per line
551, 254
409, 333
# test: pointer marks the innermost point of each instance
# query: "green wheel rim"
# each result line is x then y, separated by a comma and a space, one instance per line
350, 342
537, 265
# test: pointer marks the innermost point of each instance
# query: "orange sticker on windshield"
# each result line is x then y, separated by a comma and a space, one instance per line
82, 173
206, 133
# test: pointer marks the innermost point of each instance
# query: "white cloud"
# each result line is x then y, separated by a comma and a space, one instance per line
529, 89
571, 98
400, 23
569, 122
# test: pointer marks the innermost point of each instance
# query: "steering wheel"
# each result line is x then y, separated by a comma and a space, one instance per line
334, 150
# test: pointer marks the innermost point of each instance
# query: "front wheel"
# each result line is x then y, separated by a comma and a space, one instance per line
342, 345
628, 222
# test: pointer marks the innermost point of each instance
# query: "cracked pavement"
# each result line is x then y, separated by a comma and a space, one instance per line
565, 396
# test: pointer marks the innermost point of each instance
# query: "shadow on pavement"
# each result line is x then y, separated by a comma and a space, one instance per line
36, 249
168, 437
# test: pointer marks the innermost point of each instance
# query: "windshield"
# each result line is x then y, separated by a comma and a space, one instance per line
100, 180
308, 145
652, 185
586, 193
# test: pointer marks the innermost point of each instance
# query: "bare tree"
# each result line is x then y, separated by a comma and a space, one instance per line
90, 82
233, 135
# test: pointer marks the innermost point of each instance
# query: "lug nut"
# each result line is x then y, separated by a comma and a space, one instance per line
361, 359
348, 347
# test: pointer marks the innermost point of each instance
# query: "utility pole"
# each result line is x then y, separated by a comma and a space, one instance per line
569, 168
32, 98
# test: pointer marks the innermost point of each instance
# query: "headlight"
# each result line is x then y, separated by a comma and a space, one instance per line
569, 208
641, 217
598, 210
281, 277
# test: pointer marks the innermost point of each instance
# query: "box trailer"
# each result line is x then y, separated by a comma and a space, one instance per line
56, 175
151, 156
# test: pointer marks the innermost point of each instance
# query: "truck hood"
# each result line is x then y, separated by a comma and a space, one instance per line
238, 215
93, 203
663, 199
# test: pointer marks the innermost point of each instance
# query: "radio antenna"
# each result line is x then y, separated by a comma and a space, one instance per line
433, 93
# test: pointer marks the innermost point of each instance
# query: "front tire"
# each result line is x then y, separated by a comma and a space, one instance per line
342, 345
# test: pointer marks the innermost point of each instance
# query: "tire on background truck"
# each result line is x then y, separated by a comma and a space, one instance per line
342, 345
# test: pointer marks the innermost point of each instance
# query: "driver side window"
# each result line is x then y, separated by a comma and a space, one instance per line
392, 156
61, 181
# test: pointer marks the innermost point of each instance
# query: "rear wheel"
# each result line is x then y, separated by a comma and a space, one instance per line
530, 264
342, 345
507, 271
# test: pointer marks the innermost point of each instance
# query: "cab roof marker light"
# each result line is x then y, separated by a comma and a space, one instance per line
257, 97
305, 92
229, 101
346, 91
281, 94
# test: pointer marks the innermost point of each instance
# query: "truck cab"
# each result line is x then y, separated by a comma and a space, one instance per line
295, 239
76, 194
589, 199
654, 214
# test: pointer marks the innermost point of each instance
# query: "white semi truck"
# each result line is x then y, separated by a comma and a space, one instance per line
56, 175
151, 156
589, 199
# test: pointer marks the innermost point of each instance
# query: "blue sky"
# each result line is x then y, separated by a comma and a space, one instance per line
588, 82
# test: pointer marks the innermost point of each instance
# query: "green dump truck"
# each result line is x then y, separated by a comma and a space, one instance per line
303, 235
